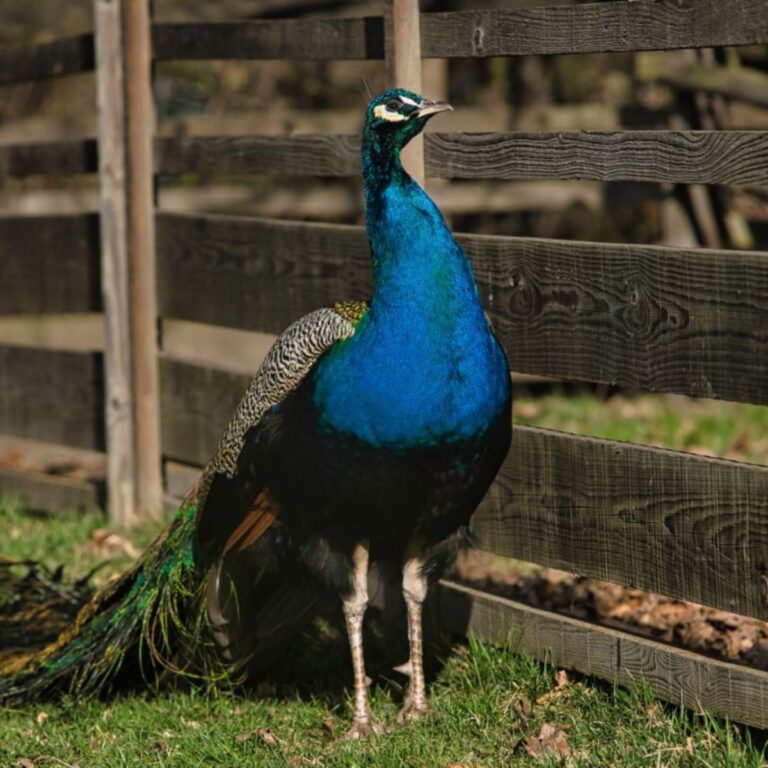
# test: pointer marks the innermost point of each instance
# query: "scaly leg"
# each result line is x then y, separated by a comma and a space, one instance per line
415, 592
354, 610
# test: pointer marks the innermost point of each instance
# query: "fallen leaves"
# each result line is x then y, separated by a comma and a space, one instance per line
550, 741
108, 543
689, 625
562, 682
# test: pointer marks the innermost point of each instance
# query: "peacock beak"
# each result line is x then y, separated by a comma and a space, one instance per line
429, 108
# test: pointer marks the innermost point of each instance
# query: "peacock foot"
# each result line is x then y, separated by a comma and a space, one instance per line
414, 709
362, 729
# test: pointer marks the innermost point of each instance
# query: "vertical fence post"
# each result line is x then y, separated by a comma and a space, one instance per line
402, 31
126, 130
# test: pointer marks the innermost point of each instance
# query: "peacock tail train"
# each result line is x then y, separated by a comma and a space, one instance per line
167, 615
150, 619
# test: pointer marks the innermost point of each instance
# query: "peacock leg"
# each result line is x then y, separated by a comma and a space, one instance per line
415, 592
354, 610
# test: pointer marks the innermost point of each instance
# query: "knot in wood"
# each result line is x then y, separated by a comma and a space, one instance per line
478, 40
525, 297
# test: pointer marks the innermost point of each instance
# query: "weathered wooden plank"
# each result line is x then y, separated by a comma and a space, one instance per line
314, 39
36, 62
49, 264
53, 157
690, 157
255, 274
52, 396
196, 406
631, 25
304, 155
676, 675
126, 129
667, 319
685, 157
683, 525
51, 493
676, 523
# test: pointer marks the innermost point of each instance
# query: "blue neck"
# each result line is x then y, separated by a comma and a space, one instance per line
422, 366
415, 258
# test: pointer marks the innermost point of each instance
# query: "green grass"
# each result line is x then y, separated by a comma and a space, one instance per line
485, 702
710, 427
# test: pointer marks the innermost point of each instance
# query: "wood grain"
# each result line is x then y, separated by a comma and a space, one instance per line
257, 274
690, 157
313, 39
56, 397
54, 158
678, 676
305, 155
630, 25
197, 404
49, 264
402, 25
683, 525
675, 523
644, 317
49, 493
35, 62
126, 129
684, 157
666, 319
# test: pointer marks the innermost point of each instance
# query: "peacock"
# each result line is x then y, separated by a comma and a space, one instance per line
366, 440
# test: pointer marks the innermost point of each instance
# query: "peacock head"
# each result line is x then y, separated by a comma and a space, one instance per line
394, 117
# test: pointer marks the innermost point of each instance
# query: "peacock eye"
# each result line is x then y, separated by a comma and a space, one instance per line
393, 106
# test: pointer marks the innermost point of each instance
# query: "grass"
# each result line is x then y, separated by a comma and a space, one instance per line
487, 703
709, 427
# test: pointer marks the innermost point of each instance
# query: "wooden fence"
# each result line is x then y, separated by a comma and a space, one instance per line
658, 318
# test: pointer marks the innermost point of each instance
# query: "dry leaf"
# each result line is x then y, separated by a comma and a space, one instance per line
689, 745
24, 763
268, 737
562, 681
244, 736
327, 727
41, 717
161, 745
107, 542
551, 740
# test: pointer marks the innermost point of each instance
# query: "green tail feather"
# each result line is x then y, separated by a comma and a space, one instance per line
151, 620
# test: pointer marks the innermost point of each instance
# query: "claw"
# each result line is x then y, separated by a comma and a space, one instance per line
363, 729
413, 710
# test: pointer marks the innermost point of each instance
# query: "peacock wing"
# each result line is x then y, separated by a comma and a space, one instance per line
234, 505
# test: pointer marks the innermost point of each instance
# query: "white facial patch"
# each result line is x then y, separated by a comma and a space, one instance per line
406, 100
383, 113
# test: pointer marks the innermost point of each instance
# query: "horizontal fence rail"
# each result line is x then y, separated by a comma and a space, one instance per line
49, 264
40, 491
681, 677
687, 526
322, 38
633, 25
630, 25
685, 157
66, 56
676, 523
693, 322
56, 397
49, 158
